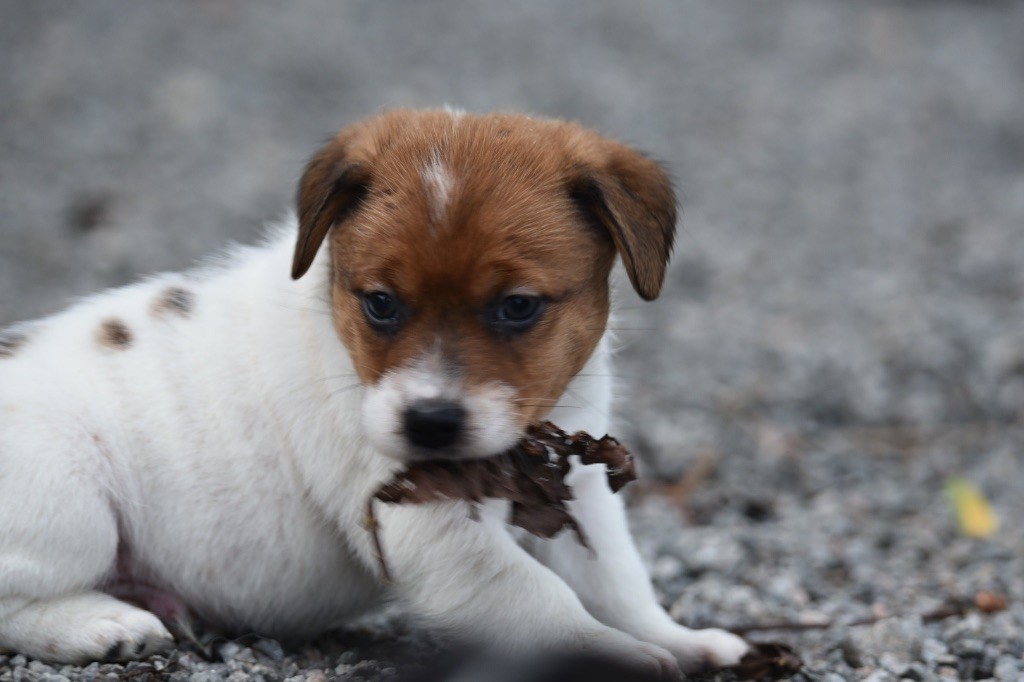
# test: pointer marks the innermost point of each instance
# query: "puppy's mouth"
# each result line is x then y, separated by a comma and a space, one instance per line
453, 453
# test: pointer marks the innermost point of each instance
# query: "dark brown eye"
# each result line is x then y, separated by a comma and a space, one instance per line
516, 313
382, 310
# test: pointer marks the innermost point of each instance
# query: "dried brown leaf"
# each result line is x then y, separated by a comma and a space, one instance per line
531, 475
767, 660
990, 602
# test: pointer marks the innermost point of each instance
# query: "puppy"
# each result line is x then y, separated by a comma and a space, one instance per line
208, 440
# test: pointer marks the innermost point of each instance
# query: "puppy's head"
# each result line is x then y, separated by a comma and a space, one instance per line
469, 261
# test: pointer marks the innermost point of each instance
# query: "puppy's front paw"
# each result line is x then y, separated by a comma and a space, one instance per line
650, 660
702, 649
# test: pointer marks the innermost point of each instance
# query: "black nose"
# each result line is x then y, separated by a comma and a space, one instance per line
434, 423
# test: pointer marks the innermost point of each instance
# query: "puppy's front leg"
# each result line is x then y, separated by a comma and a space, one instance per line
611, 579
472, 579
612, 582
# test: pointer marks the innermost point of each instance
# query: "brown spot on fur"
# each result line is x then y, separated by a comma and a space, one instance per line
114, 334
176, 300
10, 342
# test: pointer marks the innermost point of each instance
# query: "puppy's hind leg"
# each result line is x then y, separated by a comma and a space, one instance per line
58, 543
83, 627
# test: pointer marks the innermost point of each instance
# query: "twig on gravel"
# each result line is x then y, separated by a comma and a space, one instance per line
906, 437
984, 601
680, 491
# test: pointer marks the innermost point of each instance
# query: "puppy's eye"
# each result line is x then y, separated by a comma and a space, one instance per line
382, 310
517, 313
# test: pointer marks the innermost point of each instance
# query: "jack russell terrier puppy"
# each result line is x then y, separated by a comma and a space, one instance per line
207, 441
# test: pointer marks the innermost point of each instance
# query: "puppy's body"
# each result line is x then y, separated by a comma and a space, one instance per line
206, 436
186, 435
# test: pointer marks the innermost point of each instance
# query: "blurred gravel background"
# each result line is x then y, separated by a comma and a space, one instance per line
843, 328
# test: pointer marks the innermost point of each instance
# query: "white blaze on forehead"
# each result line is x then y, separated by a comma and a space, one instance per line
438, 183
426, 380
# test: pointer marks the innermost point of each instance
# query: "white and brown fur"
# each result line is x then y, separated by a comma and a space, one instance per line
208, 440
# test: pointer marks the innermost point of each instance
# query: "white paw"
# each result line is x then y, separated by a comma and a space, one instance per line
87, 627
130, 634
702, 649
648, 659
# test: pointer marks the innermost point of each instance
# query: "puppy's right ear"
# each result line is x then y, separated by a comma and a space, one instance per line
330, 190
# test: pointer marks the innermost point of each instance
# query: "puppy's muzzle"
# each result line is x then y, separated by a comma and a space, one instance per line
434, 424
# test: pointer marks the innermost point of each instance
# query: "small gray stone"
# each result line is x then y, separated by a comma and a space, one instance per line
969, 648
880, 676
270, 648
24, 675
667, 568
851, 653
919, 672
228, 650
932, 650
893, 663
899, 638
209, 675
716, 553
183, 660
1009, 668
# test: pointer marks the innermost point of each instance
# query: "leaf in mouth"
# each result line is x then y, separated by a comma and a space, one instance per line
531, 475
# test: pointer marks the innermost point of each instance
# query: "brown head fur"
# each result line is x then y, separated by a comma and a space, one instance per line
451, 212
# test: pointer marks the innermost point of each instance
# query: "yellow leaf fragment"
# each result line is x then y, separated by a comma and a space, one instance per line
973, 511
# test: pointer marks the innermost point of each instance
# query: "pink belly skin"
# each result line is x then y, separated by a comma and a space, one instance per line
126, 586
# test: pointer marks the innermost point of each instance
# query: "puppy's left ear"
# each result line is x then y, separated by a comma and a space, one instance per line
631, 197
331, 188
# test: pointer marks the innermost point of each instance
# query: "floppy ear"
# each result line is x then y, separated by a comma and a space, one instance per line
330, 189
631, 198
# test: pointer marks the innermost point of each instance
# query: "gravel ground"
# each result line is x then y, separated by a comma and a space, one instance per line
842, 329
